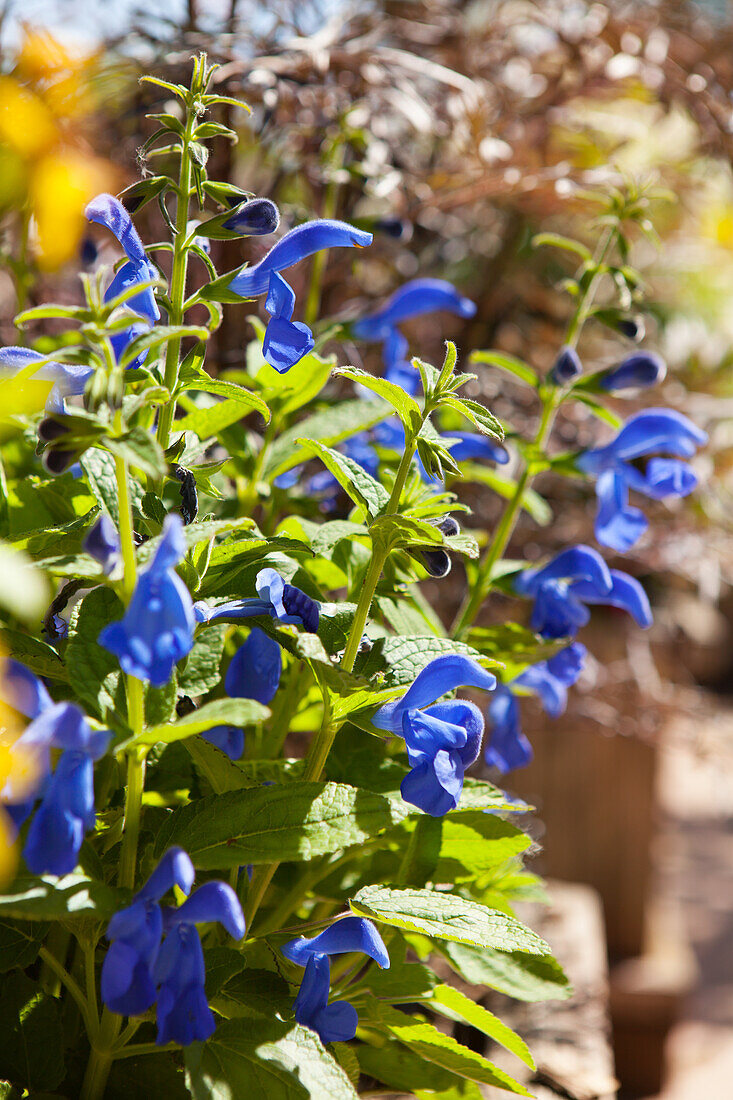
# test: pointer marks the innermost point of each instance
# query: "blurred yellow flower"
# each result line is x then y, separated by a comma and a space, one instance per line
18, 772
47, 173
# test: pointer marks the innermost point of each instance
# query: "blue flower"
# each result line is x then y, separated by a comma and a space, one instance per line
507, 747
336, 1022
567, 366
254, 673
296, 245
157, 628
333, 1023
640, 370
135, 933
618, 525
413, 299
69, 379
286, 341
254, 218
575, 577
275, 598
443, 740
108, 211
66, 811
183, 1012
103, 544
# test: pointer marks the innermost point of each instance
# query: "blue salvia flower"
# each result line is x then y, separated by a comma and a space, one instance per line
109, 212
103, 544
567, 366
443, 740
286, 341
183, 1013
336, 1022
576, 577
254, 218
413, 299
275, 598
135, 933
473, 445
618, 525
69, 379
507, 746
638, 371
254, 673
158, 625
66, 811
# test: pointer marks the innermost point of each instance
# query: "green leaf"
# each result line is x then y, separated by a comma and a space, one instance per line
212, 421
292, 821
157, 335
353, 478
402, 1069
222, 712
519, 974
20, 943
330, 426
474, 842
508, 363
459, 1005
556, 240
446, 916
36, 655
258, 1058
160, 702
140, 448
225, 774
403, 404
200, 671
402, 658
99, 466
253, 992
442, 1050
31, 1035
514, 645
478, 414
399, 532
201, 382
50, 898
94, 671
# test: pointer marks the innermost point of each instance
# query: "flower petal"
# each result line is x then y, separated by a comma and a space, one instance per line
507, 747
255, 669
174, 868
414, 299
617, 525
570, 564
443, 674
214, 901
626, 594
341, 937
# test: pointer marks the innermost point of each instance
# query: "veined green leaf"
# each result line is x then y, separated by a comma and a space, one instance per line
446, 916
403, 404
361, 487
291, 821
402, 658
457, 1004
221, 712
519, 974
50, 898
211, 421
508, 363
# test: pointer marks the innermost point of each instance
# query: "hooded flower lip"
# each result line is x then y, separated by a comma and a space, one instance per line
336, 1022
414, 299
135, 933
333, 1023
640, 370
507, 746
23, 690
275, 598
286, 341
618, 525
183, 1012
69, 379
157, 628
443, 740
341, 937
575, 577
296, 245
104, 209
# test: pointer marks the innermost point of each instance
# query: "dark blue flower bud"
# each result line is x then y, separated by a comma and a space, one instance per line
567, 367
255, 218
639, 371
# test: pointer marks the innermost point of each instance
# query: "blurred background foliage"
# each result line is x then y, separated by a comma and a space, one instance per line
455, 131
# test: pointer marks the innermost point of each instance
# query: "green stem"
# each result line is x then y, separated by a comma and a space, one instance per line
178, 284
126, 532
69, 983
133, 808
100, 1057
374, 572
472, 603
